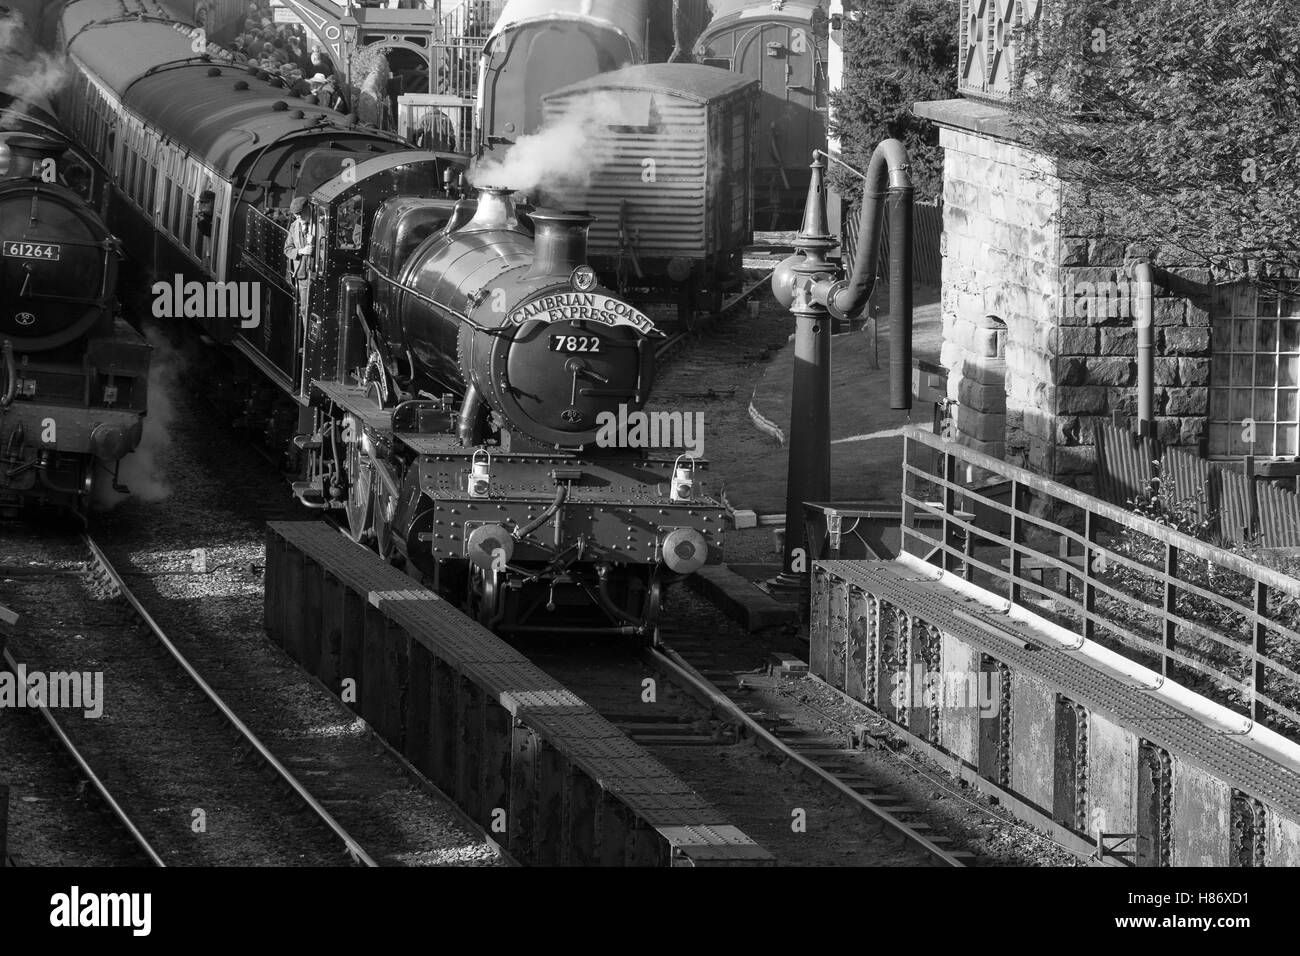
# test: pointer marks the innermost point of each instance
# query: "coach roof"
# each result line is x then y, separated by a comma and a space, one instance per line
221, 112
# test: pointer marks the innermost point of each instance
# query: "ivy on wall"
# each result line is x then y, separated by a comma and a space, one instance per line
1178, 121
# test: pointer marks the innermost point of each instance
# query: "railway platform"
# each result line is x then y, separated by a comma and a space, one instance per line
545, 775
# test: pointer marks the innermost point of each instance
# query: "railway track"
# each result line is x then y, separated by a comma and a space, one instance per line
821, 814
241, 800
669, 347
829, 764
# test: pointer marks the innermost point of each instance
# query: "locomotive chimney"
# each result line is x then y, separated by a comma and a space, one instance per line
496, 210
560, 241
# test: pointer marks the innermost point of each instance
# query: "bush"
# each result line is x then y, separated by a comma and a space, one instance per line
900, 53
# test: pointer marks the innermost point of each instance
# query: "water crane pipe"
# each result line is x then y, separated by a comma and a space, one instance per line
888, 177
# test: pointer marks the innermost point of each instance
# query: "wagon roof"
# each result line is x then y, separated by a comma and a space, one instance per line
751, 10
687, 80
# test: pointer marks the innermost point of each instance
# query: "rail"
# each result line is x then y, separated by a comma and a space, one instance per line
353, 848
95, 781
728, 710
1222, 625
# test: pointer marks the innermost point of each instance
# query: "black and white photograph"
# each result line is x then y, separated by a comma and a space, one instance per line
823, 437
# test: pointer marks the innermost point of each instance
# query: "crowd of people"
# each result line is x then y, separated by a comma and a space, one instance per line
289, 52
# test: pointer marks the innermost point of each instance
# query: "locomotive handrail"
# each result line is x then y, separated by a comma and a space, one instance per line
11, 376
455, 313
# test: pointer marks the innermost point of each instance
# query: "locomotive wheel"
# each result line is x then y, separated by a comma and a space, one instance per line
486, 596
360, 502
650, 615
383, 531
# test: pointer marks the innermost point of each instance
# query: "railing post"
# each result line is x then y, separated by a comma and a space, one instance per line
1089, 592
908, 510
949, 506
1168, 628
1259, 631
1013, 593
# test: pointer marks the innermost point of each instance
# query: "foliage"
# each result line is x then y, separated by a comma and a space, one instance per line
1160, 501
1179, 120
901, 52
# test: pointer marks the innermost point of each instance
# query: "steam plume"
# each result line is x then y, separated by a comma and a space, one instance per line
144, 471
26, 73
564, 152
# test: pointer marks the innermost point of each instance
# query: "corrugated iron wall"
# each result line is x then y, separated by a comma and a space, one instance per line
1238, 506
660, 173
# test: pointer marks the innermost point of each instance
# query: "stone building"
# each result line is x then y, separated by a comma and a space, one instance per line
1038, 295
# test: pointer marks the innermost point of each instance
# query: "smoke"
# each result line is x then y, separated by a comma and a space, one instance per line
26, 73
564, 152
144, 471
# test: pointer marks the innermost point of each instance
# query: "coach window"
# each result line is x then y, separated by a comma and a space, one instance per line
1255, 372
153, 204
721, 62
173, 194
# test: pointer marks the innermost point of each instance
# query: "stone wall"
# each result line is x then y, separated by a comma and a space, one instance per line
1038, 309
1001, 256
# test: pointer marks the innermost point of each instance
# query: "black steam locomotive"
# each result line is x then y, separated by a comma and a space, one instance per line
461, 379
73, 375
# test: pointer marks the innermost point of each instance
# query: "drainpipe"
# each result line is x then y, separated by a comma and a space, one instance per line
1144, 323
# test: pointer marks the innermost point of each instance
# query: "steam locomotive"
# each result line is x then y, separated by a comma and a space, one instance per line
455, 366
73, 374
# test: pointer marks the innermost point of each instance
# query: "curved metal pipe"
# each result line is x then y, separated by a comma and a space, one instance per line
888, 177
466, 423
561, 493
11, 376
1144, 323
607, 603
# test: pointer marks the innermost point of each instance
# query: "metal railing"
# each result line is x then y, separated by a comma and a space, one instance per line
1217, 622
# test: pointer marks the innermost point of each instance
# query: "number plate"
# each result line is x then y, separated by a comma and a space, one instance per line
575, 343
45, 251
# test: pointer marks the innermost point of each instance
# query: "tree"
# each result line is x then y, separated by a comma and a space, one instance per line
900, 52
1178, 120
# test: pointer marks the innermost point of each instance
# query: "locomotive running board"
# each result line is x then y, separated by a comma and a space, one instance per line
355, 401
267, 368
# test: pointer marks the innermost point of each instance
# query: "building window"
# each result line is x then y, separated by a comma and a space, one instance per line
1255, 374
